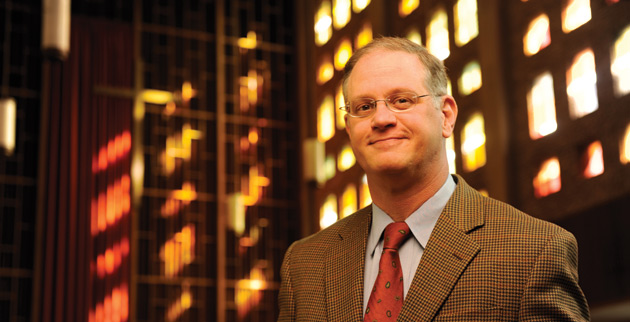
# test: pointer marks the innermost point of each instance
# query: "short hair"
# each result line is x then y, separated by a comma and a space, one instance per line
435, 79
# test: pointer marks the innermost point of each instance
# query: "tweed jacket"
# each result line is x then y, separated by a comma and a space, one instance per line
484, 261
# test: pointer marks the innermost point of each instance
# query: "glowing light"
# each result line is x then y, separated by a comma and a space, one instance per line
359, 5
178, 199
155, 96
624, 148
466, 25
339, 102
406, 7
113, 151
450, 154
187, 92
414, 35
437, 35
342, 54
249, 42
538, 35
620, 67
341, 13
330, 167
8, 120
364, 36
323, 24
254, 183
326, 72
470, 81
349, 201
547, 181
593, 160
366, 197
328, 212
248, 291
178, 146
113, 308
541, 107
575, 14
582, 88
326, 119
178, 251
474, 143
111, 259
183, 303
111, 205
346, 158
252, 137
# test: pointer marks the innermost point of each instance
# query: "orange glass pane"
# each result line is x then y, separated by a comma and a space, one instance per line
593, 160
342, 54
325, 72
624, 147
364, 36
474, 143
547, 181
349, 201
326, 119
366, 197
406, 7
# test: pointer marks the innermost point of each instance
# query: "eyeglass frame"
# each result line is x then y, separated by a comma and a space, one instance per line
373, 103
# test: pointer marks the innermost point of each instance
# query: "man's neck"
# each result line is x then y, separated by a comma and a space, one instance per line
400, 196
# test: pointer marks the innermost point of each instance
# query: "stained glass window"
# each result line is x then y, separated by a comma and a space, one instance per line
364, 36
326, 119
343, 53
593, 160
620, 67
474, 143
575, 14
538, 35
328, 212
470, 80
582, 85
541, 107
547, 181
341, 13
466, 25
325, 72
437, 34
349, 201
406, 7
346, 158
323, 24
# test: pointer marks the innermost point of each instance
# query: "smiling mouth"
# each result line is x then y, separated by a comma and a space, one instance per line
385, 140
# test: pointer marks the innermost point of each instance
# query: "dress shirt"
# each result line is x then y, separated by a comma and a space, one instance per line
421, 223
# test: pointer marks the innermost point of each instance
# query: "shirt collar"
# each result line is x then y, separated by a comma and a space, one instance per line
421, 221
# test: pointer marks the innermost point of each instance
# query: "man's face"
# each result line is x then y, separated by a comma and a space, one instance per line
397, 142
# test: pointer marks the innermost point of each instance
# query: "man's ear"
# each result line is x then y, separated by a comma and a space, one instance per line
449, 110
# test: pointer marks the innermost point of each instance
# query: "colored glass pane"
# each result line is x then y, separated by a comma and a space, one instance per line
541, 107
470, 80
547, 181
538, 35
437, 35
466, 24
326, 119
582, 85
474, 143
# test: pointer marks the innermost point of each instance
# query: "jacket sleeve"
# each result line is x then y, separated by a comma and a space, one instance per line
285, 299
552, 292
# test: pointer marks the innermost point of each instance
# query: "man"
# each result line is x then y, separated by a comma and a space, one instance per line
451, 254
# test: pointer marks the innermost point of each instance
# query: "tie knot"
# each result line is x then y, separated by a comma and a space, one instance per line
395, 234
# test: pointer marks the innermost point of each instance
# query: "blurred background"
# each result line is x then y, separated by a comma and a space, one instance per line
158, 157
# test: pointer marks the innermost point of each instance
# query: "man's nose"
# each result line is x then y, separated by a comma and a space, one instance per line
383, 117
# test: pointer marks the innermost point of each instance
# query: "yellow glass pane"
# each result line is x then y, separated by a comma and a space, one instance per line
323, 24
538, 35
346, 158
343, 53
449, 87
328, 212
450, 154
470, 80
575, 14
359, 5
620, 66
541, 107
330, 167
437, 35
341, 13
406, 7
624, 147
326, 119
414, 35
366, 197
474, 143
325, 72
593, 160
547, 181
466, 24
340, 102
349, 201
364, 36
582, 85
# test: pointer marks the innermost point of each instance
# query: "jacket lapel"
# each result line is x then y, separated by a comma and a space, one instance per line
449, 251
345, 269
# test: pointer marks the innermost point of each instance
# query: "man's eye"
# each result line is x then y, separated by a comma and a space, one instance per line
363, 107
401, 100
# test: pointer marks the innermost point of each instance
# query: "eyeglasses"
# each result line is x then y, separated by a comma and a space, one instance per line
399, 102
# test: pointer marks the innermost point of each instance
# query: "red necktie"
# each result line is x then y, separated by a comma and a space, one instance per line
386, 299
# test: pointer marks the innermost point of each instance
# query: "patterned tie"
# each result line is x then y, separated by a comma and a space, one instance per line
386, 299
